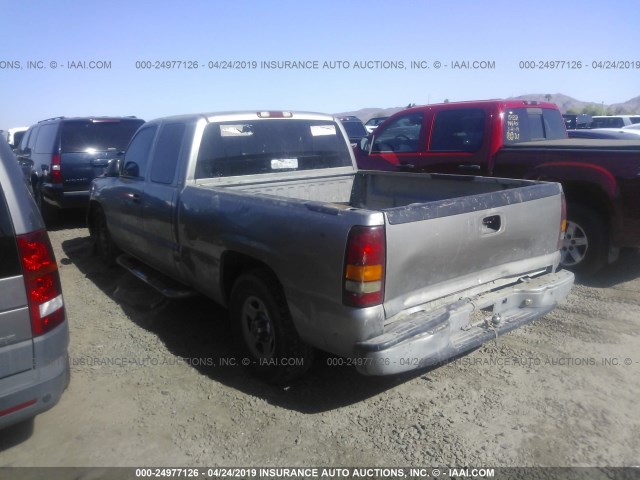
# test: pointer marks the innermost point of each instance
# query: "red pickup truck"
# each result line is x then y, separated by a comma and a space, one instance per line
521, 139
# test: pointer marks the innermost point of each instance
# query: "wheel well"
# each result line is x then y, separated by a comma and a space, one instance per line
234, 264
589, 196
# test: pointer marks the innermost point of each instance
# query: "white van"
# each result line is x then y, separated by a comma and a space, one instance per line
14, 135
613, 121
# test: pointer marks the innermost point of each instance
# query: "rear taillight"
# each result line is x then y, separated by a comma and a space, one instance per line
563, 221
56, 174
364, 267
42, 281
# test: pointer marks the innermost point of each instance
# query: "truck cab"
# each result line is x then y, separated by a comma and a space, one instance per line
460, 138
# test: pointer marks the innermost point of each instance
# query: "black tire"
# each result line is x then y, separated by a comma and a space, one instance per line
104, 246
264, 331
585, 247
49, 212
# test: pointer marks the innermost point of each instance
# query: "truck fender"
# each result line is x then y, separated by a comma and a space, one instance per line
576, 172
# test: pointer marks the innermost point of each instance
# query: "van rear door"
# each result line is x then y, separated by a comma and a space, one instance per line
16, 345
87, 145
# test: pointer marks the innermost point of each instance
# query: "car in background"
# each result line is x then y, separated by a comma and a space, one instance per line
373, 123
606, 133
63, 155
354, 128
573, 121
613, 121
34, 335
14, 136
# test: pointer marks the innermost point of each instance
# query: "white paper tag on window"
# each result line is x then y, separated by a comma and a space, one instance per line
236, 130
282, 163
319, 130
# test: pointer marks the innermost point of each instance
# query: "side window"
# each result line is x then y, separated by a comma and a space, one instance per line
402, 135
25, 140
167, 153
46, 138
31, 141
459, 130
137, 155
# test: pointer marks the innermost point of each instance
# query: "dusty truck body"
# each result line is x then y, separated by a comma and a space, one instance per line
267, 214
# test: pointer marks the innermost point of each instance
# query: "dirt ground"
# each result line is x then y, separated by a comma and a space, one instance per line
148, 389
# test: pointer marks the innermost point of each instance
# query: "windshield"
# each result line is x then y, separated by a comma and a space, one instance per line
530, 124
269, 146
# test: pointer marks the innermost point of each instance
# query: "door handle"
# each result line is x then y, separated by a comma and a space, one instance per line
134, 197
406, 166
469, 166
491, 224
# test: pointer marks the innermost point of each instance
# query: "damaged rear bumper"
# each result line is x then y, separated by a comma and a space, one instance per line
427, 338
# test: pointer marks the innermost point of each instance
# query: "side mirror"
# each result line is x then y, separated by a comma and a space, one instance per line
113, 168
131, 169
365, 145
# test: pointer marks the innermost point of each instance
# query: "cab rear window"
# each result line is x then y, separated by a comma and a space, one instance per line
269, 146
530, 124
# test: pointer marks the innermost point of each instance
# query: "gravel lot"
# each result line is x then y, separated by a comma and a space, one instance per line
148, 389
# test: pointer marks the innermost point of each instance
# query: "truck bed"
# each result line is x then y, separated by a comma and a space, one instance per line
578, 143
372, 190
444, 233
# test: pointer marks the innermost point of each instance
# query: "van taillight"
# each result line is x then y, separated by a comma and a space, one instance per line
364, 267
56, 174
563, 221
42, 281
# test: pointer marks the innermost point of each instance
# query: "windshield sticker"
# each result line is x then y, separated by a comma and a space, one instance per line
282, 163
513, 127
236, 130
319, 130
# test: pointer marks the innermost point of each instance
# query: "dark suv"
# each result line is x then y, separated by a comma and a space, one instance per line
63, 155
354, 128
34, 367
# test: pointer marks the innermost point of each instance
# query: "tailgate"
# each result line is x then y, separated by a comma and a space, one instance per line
442, 247
79, 169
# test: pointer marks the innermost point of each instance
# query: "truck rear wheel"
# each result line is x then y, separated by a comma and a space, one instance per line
103, 244
584, 249
264, 329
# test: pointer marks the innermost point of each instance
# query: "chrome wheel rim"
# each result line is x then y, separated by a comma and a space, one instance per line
574, 246
257, 328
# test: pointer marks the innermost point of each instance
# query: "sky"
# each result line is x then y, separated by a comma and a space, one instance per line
140, 58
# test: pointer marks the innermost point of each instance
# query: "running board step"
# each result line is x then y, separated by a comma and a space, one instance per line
165, 285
